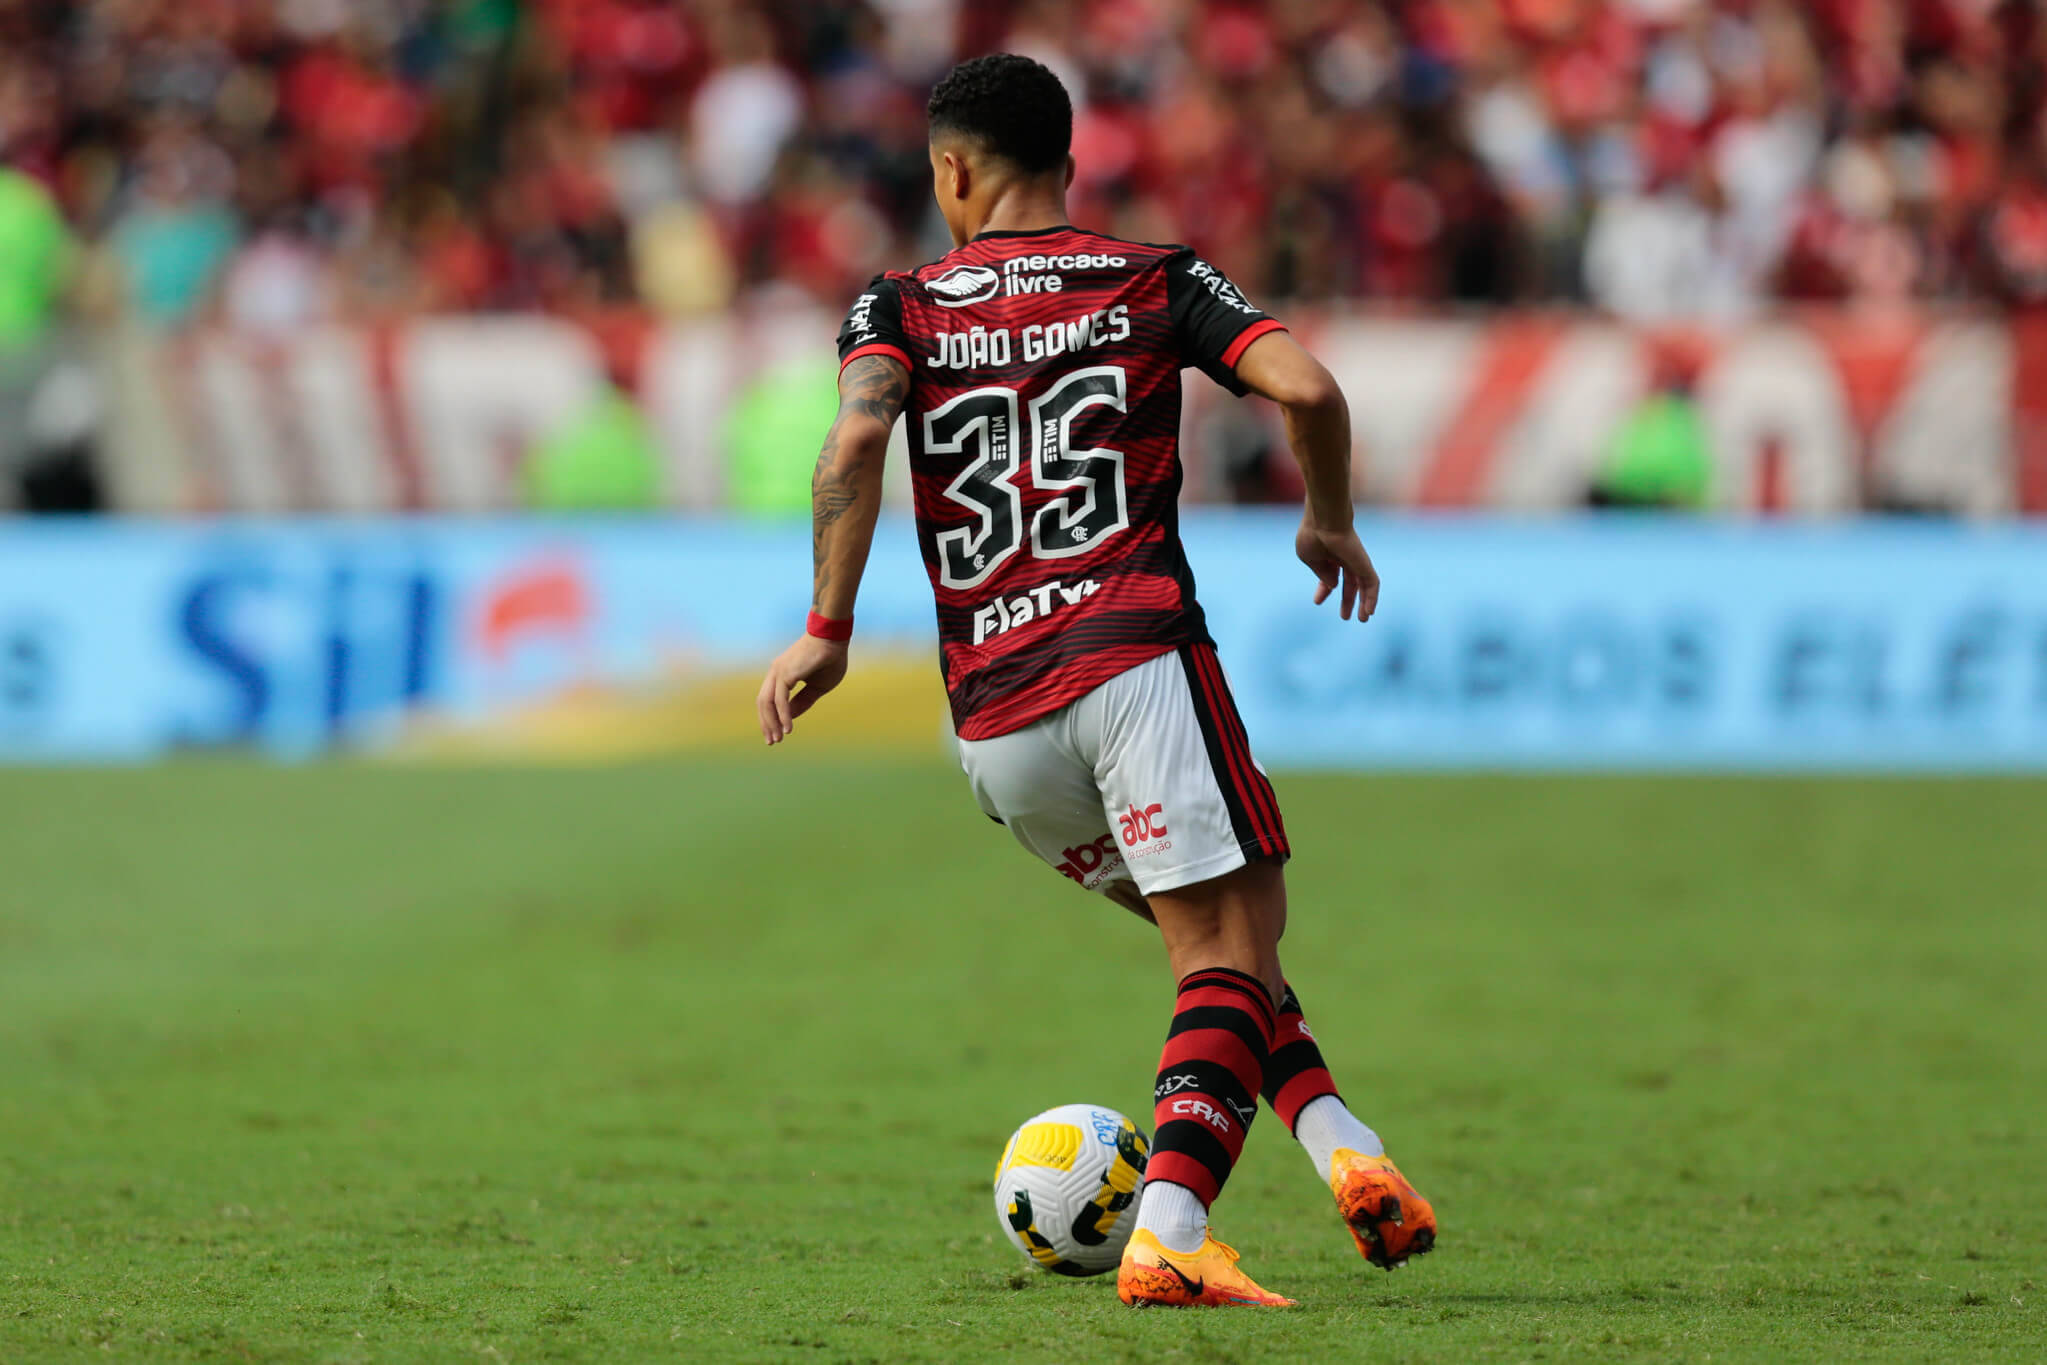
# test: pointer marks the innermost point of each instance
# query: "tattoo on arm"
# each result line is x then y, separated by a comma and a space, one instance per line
872, 386
832, 492
876, 386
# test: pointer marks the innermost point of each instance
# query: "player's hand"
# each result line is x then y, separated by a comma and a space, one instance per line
1339, 556
816, 665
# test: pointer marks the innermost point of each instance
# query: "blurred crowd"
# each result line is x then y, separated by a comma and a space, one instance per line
275, 162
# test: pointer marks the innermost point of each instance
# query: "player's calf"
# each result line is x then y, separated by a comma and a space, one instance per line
1387, 1217
1205, 1097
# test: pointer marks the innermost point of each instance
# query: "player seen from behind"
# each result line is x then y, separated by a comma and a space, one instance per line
1039, 367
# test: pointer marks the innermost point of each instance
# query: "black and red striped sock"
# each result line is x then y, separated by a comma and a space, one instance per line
1295, 1075
1209, 1078
1300, 1090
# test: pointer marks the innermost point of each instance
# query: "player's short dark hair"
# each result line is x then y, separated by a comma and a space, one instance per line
1013, 106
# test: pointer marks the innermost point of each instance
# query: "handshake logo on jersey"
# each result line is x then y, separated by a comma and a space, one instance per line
962, 285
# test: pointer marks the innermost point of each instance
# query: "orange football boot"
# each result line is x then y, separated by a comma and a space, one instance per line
1388, 1219
1208, 1278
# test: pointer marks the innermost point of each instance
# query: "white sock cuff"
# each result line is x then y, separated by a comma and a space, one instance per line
1172, 1214
1325, 1125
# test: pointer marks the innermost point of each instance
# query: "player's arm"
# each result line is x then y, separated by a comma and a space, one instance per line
1246, 351
845, 499
1276, 366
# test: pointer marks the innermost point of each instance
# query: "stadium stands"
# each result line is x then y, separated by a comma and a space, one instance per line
283, 161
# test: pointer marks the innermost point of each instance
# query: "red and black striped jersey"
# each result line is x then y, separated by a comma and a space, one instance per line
1044, 424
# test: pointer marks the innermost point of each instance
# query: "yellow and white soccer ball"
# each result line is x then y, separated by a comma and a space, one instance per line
1066, 1187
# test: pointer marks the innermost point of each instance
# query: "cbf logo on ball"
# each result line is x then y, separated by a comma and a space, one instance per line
1067, 1185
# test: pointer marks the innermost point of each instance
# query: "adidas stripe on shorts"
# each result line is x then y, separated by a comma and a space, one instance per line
1148, 778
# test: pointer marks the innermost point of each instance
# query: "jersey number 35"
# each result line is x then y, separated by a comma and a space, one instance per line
1090, 504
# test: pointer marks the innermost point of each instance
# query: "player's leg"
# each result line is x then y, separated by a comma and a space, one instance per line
1226, 814
1235, 924
1126, 894
1389, 1220
1387, 1217
1203, 839
1221, 937
1222, 940
1037, 782
1033, 783
1220, 923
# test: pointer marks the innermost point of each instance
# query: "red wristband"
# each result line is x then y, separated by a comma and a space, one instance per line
825, 628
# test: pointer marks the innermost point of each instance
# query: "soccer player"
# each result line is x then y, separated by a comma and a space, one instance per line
1039, 367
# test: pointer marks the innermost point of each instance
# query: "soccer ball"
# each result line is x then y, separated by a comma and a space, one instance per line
1066, 1187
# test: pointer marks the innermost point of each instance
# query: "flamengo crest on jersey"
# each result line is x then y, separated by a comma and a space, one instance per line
1043, 420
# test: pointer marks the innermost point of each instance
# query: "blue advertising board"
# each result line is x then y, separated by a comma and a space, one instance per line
1648, 644
1573, 644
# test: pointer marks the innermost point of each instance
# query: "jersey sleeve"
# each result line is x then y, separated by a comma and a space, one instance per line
1212, 320
874, 325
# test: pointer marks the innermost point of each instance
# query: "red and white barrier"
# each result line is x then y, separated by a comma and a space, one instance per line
1816, 414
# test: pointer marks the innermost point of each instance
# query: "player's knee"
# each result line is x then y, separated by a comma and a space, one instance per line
1130, 898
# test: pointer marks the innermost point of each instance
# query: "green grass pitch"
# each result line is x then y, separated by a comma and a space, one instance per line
712, 1060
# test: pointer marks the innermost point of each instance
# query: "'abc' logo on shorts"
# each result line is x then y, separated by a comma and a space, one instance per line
1142, 826
1083, 862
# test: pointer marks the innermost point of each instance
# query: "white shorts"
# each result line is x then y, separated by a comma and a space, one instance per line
1148, 778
